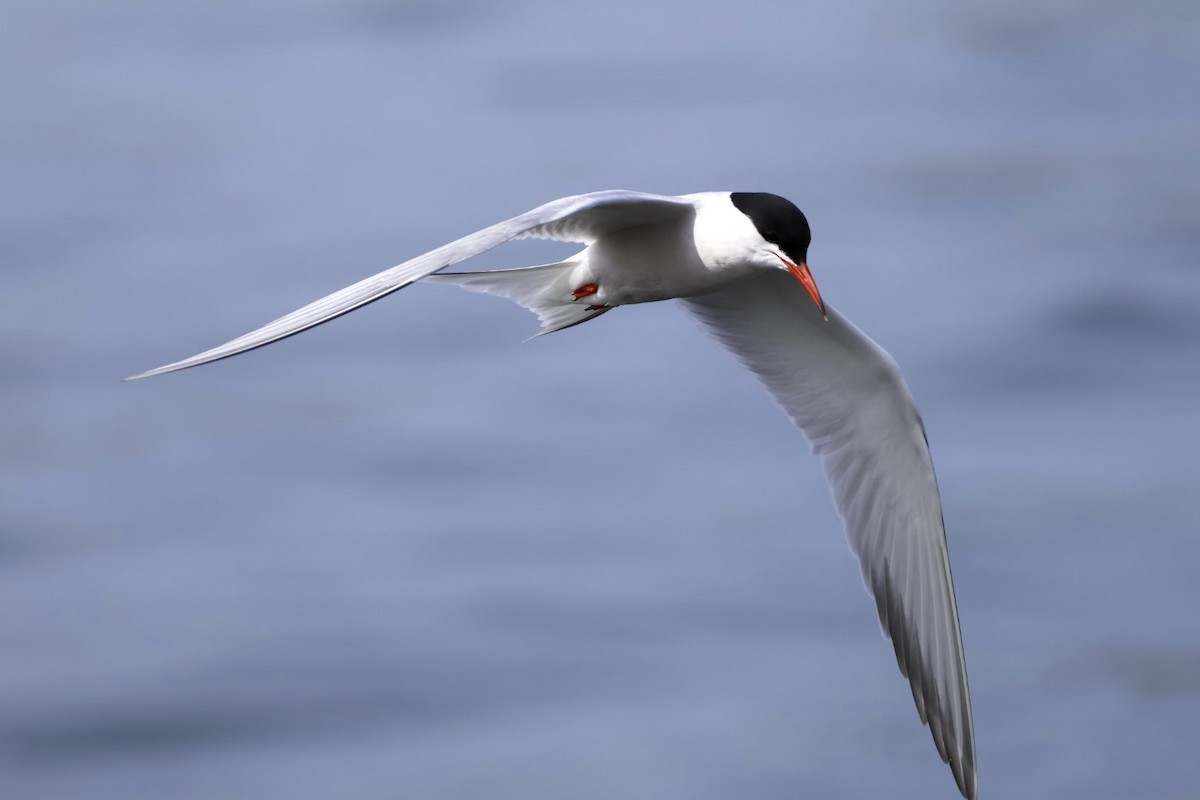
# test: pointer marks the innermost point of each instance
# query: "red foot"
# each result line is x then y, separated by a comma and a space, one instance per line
596, 308
586, 290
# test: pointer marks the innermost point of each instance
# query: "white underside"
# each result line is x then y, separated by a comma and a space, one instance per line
547, 290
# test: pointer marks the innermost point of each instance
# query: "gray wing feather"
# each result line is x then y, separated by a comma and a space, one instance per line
847, 395
580, 218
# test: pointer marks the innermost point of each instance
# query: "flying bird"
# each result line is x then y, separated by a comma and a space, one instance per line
738, 262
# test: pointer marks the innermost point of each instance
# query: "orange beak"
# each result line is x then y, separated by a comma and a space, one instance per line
800, 272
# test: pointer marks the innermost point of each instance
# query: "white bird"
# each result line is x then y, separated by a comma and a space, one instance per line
727, 256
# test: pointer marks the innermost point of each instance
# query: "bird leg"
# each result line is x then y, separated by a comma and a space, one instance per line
587, 290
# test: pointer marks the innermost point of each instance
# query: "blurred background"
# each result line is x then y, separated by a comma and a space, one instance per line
407, 556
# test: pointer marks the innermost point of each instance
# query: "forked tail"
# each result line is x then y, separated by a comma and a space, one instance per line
545, 290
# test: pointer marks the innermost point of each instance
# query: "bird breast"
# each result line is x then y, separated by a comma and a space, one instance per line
649, 263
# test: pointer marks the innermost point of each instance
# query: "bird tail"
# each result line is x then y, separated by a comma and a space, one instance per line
546, 290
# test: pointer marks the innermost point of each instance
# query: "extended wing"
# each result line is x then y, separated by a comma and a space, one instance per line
581, 218
849, 398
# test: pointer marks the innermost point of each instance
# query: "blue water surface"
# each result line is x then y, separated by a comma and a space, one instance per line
406, 556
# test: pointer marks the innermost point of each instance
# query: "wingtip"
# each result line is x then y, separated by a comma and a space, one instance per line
965, 778
163, 370
150, 373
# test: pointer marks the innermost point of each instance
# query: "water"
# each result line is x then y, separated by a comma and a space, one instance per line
406, 556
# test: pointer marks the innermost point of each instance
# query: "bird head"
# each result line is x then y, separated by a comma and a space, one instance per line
785, 237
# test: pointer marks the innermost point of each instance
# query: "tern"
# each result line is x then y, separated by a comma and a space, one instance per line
738, 262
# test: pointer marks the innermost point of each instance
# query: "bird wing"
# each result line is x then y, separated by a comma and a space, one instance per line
847, 395
580, 218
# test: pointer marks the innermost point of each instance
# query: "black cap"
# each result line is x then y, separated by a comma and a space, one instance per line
777, 220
